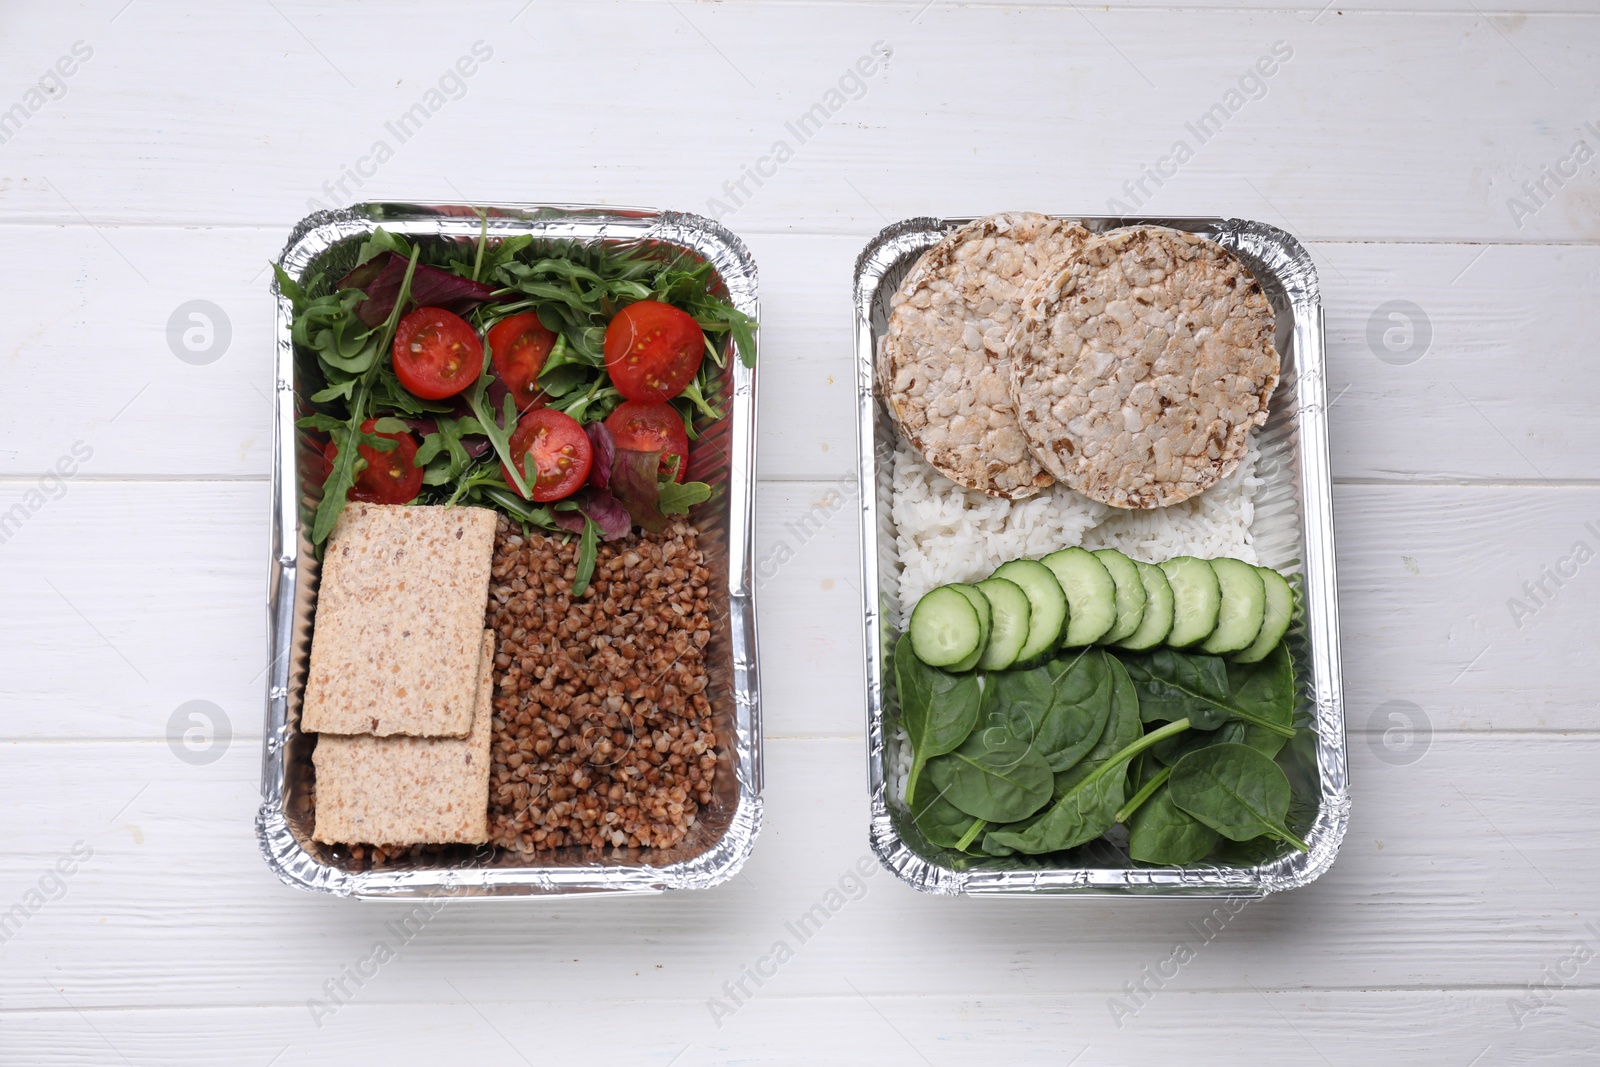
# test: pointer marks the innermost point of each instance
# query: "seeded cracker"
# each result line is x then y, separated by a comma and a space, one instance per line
409, 790
943, 366
399, 617
1141, 365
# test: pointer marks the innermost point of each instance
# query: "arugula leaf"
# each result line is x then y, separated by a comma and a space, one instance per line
587, 546
575, 288
565, 369
499, 434
335, 491
382, 241
676, 498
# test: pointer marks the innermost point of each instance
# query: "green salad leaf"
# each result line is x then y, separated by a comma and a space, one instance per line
1180, 685
995, 774
574, 288
938, 709
1236, 791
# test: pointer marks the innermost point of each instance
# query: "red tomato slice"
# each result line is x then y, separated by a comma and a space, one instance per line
652, 428
436, 353
518, 347
653, 351
391, 477
560, 449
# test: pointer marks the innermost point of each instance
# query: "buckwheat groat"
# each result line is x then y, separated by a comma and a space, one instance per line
943, 365
1140, 365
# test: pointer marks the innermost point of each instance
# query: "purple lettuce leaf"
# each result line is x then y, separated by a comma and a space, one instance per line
633, 481
430, 287
603, 508
605, 447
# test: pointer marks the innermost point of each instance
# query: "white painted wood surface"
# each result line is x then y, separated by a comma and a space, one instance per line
1458, 924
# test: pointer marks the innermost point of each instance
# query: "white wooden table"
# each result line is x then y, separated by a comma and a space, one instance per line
1459, 926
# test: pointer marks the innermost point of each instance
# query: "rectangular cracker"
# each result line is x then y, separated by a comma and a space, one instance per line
399, 615
409, 790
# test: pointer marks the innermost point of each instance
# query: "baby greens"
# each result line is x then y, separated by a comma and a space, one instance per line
348, 324
995, 775
1236, 791
1177, 746
1061, 707
1209, 691
1162, 832
937, 709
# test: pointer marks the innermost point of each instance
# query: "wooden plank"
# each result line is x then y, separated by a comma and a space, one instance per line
1500, 389
1024, 86
1434, 611
1454, 874
161, 586
870, 1028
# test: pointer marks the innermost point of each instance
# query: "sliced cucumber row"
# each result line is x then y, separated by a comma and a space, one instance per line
1027, 609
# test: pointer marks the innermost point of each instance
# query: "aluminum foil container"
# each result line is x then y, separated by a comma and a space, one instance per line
1293, 532
721, 839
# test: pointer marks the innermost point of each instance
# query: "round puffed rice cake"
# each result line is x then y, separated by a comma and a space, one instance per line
942, 367
1140, 365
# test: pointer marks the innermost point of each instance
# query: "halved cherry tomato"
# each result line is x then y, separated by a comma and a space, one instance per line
391, 477
437, 353
653, 351
651, 428
518, 346
560, 449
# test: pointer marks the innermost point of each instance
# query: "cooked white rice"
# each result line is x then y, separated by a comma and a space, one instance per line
945, 533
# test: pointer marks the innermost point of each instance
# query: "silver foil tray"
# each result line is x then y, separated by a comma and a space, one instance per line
721, 839
1293, 532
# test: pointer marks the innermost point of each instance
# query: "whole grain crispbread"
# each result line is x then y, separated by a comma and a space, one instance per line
409, 790
942, 366
1141, 364
399, 615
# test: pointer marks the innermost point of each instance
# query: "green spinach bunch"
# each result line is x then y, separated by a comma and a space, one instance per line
1176, 746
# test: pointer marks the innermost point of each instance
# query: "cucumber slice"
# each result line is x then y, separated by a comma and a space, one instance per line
1244, 607
980, 604
944, 627
1131, 596
1047, 605
1196, 599
1091, 595
1157, 622
1008, 630
1280, 610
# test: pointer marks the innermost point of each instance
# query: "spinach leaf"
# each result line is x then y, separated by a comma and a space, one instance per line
941, 822
1267, 688
1177, 685
994, 774
937, 709
1162, 832
1174, 749
1061, 707
1124, 726
1087, 799
1146, 791
1236, 791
